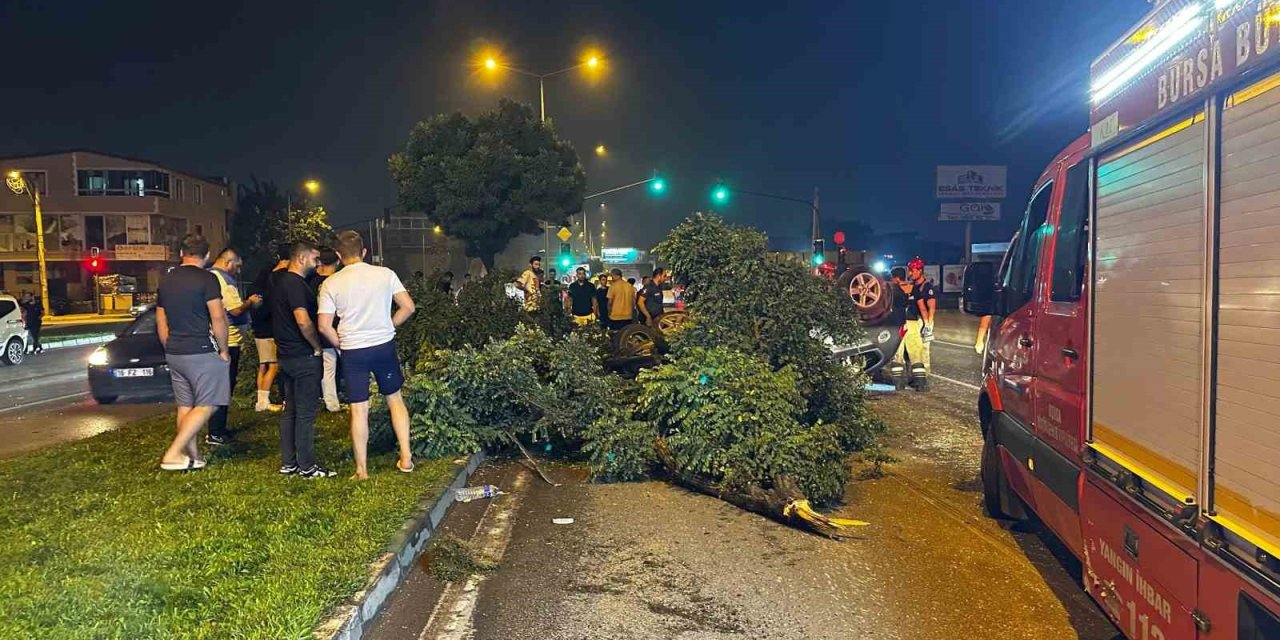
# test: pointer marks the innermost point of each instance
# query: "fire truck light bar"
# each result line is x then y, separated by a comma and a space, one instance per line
1178, 28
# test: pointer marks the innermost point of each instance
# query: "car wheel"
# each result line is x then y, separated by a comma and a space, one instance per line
637, 340
105, 399
869, 292
14, 352
1000, 501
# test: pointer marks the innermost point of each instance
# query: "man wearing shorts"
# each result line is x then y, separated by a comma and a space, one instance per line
192, 324
362, 295
263, 338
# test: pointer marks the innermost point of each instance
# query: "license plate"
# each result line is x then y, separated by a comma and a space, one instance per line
134, 373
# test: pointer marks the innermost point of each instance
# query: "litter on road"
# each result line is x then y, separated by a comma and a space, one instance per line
562, 521
475, 493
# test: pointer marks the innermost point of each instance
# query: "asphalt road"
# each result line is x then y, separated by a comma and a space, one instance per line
46, 401
651, 560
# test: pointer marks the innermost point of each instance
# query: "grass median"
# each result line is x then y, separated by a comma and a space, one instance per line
96, 542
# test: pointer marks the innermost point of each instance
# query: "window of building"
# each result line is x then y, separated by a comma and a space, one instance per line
1073, 222
95, 232
198, 192
6, 233
122, 182
179, 189
117, 231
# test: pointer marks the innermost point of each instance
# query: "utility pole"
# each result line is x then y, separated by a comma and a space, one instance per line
817, 228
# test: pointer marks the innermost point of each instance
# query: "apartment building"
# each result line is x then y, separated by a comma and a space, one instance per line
131, 212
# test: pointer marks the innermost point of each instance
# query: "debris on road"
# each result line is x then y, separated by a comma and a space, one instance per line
451, 559
476, 493
562, 521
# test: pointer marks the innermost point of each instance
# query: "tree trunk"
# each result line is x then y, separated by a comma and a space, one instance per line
784, 502
487, 258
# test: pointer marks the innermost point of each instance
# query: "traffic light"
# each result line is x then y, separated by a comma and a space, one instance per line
566, 255
658, 186
819, 252
95, 264
720, 194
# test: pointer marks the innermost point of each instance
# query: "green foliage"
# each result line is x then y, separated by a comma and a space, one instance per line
527, 386
482, 312
99, 543
619, 447
486, 313
488, 179
262, 222
743, 298
247, 374
730, 417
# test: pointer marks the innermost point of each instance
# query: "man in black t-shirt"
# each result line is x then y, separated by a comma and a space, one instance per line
192, 324
581, 302
293, 322
263, 341
650, 300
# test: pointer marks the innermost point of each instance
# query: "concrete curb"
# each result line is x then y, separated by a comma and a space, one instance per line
352, 619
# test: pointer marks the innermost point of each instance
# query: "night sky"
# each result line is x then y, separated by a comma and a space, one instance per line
859, 99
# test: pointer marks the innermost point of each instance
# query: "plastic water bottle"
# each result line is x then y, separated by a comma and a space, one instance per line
475, 493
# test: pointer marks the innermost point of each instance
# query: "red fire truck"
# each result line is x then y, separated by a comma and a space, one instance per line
1132, 381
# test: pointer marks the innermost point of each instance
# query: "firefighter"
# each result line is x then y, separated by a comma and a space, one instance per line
901, 289
922, 303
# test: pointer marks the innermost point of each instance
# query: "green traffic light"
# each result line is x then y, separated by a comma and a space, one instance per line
565, 261
720, 194
658, 185
819, 260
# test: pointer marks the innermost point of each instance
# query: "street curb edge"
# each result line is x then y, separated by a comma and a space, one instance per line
353, 618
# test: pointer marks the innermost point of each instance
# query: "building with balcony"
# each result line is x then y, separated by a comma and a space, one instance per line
132, 213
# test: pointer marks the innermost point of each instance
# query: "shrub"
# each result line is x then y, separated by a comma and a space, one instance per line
619, 447
730, 417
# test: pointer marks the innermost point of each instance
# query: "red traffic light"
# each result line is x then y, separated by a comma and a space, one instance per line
95, 265
839, 237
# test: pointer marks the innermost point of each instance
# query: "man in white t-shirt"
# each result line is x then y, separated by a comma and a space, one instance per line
361, 295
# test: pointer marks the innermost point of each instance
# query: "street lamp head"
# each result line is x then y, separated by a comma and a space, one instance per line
593, 62
311, 186
15, 181
490, 64
601, 150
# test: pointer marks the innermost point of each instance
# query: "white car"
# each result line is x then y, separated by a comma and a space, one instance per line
13, 332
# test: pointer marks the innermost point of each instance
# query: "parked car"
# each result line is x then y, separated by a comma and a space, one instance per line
132, 364
13, 332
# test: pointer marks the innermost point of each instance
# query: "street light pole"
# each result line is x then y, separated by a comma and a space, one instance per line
19, 185
542, 98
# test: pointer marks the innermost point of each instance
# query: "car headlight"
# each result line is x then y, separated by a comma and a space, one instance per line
98, 358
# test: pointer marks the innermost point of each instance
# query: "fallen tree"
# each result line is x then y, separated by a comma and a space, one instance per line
745, 405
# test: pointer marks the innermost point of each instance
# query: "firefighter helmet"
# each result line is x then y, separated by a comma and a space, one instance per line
916, 263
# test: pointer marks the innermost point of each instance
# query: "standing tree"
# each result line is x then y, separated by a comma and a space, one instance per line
262, 222
489, 179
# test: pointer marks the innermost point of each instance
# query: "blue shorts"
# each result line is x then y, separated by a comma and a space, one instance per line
381, 361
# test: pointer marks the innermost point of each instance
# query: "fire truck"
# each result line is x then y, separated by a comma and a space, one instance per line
1131, 398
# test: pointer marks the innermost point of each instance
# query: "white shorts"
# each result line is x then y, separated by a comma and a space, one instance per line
266, 350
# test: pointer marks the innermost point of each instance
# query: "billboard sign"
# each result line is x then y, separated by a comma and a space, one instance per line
972, 181
620, 255
154, 252
969, 212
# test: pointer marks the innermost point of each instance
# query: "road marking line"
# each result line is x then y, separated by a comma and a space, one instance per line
453, 617
954, 381
24, 405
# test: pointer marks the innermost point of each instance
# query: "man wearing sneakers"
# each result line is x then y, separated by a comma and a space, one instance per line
226, 268
362, 295
293, 322
263, 340
192, 325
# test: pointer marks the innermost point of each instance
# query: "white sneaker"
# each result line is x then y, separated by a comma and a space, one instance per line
271, 408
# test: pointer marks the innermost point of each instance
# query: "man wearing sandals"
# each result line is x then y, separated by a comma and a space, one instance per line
362, 295
192, 324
